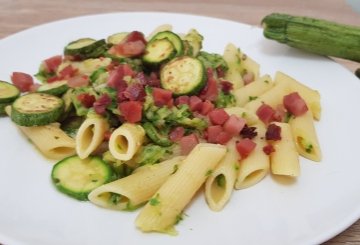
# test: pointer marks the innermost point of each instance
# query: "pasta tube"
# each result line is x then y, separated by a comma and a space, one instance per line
251, 91
126, 140
250, 117
272, 97
162, 211
220, 184
232, 56
285, 159
136, 188
311, 96
305, 138
254, 167
51, 141
90, 135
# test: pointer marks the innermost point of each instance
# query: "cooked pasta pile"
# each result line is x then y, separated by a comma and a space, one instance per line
144, 123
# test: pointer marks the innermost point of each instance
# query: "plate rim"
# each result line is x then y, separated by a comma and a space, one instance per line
325, 236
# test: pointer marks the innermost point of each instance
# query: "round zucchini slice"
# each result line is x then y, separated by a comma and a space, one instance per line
183, 75
77, 177
117, 38
159, 51
56, 88
173, 38
36, 109
2, 108
85, 48
8, 92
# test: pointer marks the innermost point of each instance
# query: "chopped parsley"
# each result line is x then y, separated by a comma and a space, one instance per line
176, 167
115, 198
288, 117
220, 180
154, 201
251, 98
130, 207
179, 217
309, 148
209, 172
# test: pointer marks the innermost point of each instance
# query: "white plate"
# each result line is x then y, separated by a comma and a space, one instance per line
323, 201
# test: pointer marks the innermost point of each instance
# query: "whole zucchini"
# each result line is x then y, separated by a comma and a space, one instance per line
314, 35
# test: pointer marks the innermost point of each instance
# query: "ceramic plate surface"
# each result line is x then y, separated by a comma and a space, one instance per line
321, 203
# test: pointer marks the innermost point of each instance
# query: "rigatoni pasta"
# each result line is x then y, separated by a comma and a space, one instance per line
220, 183
135, 189
167, 204
251, 91
271, 97
311, 96
50, 140
90, 135
126, 140
255, 167
285, 159
305, 137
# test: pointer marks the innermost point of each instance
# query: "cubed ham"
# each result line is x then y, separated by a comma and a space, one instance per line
212, 132
295, 104
210, 91
176, 134
51, 64
245, 147
273, 132
218, 116
187, 143
22, 81
206, 107
162, 97
223, 137
195, 103
234, 125
265, 113
131, 111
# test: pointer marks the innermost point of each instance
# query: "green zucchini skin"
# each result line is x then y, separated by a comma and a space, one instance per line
86, 48
117, 38
173, 38
314, 35
183, 75
36, 109
77, 177
8, 92
56, 88
2, 108
158, 51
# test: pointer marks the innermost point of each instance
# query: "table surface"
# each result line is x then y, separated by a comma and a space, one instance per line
17, 15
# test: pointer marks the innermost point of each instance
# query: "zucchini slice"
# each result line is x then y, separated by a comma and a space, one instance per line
183, 75
86, 48
159, 51
36, 109
117, 38
2, 108
56, 88
8, 92
173, 38
77, 177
